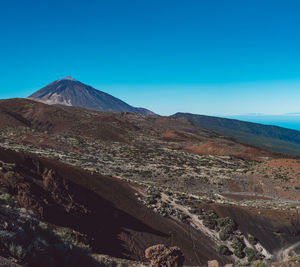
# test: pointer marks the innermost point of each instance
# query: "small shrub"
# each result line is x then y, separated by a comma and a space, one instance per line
9, 175
252, 240
67, 236
239, 253
43, 225
261, 263
182, 217
150, 200
212, 215
7, 199
211, 224
7, 166
223, 250
194, 211
223, 235
295, 258
227, 221
238, 243
19, 252
251, 253
203, 217
229, 229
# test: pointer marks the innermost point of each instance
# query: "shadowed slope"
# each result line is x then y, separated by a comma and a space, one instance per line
265, 136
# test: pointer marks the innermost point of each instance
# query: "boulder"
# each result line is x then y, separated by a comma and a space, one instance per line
161, 255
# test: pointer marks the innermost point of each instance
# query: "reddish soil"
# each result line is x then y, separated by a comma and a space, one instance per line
176, 136
284, 163
227, 148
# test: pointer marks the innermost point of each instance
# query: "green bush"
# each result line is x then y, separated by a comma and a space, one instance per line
9, 175
252, 240
238, 243
295, 258
251, 253
203, 217
223, 250
239, 253
227, 221
18, 251
7, 199
7, 166
151, 200
229, 229
210, 223
223, 235
212, 215
182, 217
195, 211
261, 263
43, 225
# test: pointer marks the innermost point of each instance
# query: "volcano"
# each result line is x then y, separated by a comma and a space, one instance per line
70, 92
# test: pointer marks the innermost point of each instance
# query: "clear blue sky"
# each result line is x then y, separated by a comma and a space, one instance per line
211, 57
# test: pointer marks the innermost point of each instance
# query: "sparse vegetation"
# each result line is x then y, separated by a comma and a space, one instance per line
28, 242
252, 240
251, 254
7, 199
223, 250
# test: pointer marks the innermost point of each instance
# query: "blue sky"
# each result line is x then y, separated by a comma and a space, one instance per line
211, 57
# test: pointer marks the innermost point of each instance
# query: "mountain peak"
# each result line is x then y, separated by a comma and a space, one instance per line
81, 95
68, 78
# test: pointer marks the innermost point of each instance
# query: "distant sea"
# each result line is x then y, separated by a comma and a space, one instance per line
287, 121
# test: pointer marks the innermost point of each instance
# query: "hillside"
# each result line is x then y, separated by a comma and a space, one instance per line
70, 92
103, 211
169, 181
268, 137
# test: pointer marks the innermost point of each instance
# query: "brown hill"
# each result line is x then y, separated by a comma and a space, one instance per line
120, 127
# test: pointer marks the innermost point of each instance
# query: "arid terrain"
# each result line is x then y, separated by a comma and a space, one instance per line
116, 183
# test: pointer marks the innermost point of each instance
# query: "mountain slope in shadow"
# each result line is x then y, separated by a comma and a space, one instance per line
268, 137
